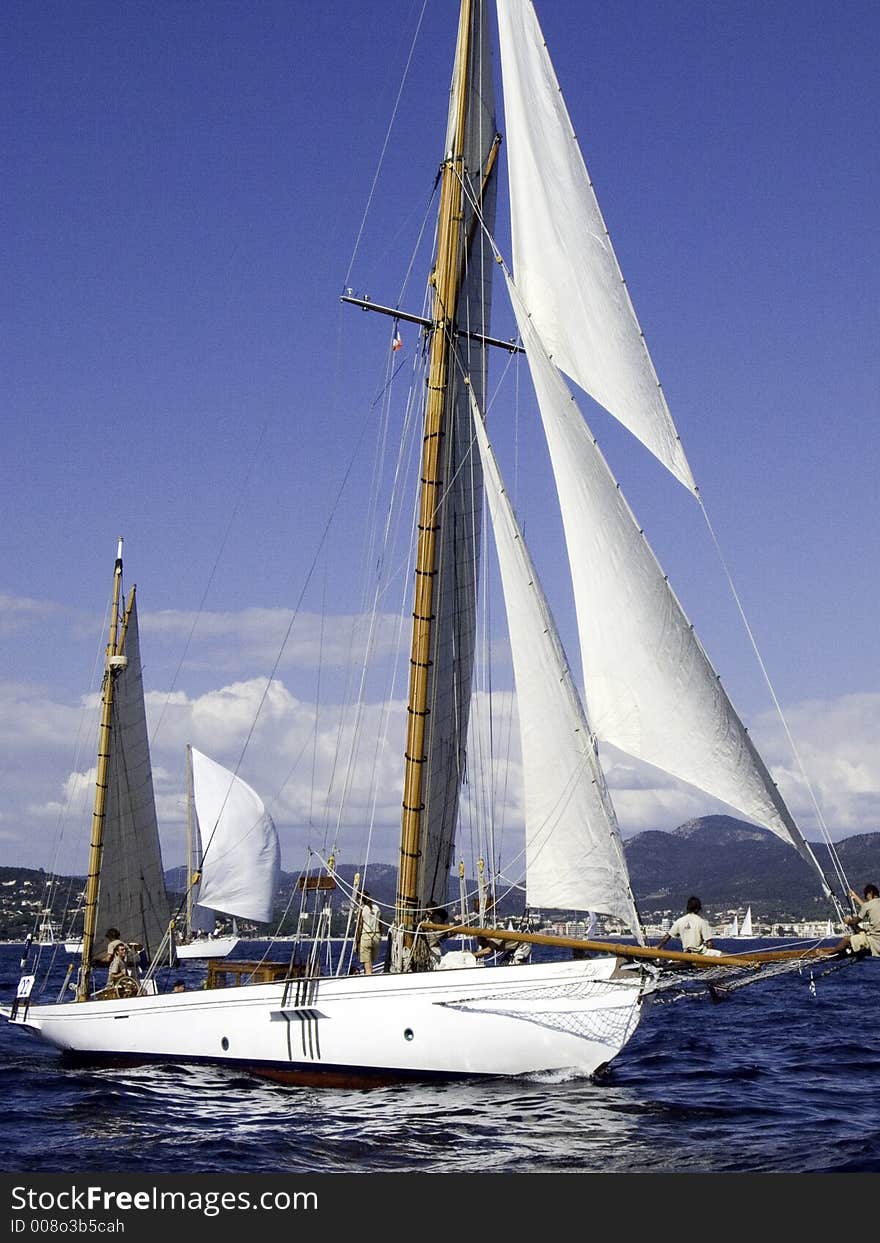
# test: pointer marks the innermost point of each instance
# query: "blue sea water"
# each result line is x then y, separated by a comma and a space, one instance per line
780, 1078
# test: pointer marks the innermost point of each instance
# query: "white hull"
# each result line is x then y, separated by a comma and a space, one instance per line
359, 1030
210, 947
74, 946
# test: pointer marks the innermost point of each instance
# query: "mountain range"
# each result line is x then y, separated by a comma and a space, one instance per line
728, 863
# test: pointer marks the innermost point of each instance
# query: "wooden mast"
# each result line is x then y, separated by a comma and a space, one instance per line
446, 279
111, 667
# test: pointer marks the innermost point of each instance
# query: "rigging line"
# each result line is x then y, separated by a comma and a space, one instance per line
355, 698
838, 869
800, 842
73, 792
589, 759
386, 141
245, 481
308, 578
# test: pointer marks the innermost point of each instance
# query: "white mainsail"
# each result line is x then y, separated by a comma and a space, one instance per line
574, 855
650, 688
241, 854
563, 261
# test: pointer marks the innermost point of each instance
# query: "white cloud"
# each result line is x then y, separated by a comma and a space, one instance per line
838, 742
300, 756
19, 613
258, 638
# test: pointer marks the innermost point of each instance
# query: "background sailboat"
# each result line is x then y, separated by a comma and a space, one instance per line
234, 857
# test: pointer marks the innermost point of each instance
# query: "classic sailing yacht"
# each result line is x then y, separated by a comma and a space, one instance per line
643, 665
233, 856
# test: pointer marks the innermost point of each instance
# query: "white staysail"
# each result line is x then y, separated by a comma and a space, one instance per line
563, 261
574, 855
241, 854
650, 688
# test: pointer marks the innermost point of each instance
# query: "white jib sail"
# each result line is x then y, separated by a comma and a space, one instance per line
241, 851
574, 855
650, 688
563, 261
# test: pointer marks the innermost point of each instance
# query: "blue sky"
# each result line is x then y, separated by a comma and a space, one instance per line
184, 190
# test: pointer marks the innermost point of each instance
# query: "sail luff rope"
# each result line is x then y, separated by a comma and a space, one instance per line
838, 868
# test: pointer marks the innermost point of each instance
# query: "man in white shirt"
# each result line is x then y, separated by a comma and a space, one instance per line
694, 932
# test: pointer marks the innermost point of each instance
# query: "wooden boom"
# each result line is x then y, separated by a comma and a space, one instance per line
631, 951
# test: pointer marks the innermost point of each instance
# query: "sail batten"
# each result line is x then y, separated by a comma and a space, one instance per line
563, 261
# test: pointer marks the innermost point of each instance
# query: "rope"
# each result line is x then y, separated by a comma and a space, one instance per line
838, 869
385, 143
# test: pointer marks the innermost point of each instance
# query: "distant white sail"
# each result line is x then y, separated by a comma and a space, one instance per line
241, 854
563, 261
574, 856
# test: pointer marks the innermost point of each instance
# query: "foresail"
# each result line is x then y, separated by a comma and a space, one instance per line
458, 517
132, 895
650, 688
563, 261
574, 855
241, 852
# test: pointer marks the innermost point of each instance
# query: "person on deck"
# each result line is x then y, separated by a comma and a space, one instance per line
369, 932
118, 964
694, 932
105, 956
435, 915
865, 937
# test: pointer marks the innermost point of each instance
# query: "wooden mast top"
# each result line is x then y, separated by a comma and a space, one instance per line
446, 279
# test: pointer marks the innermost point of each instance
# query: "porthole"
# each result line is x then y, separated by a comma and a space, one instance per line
224, 1044
408, 1034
